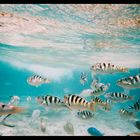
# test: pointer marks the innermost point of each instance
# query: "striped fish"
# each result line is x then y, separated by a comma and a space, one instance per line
85, 114
37, 80
136, 106
83, 78
101, 103
77, 102
130, 82
125, 113
97, 100
51, 102
96, 85
107, 68
118, 96
100, 90
108, 103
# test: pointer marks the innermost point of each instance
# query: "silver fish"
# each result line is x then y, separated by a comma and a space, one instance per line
85, 114
77, 102
37, 80
118, 96
83, 78
107, 68
100, 90
125, 113
130, 82
14, 100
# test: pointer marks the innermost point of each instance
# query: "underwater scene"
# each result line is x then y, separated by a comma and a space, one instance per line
70, 70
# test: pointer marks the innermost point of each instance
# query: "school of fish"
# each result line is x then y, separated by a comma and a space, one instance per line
85, 108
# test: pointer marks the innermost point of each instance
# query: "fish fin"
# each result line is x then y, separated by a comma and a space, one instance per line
130, 107
68, 107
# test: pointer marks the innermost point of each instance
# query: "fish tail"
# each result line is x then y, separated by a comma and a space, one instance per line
47, 81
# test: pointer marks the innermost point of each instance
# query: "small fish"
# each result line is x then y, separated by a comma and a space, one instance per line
125, 113
118, 96
42, 126
94, 132
107, 68
101, 103
83, 78
96, 85
136, 106
14, 100
37, 80
69, 129
85, 114
102, 89
108, 103
86, 93
51, 102
29, 98
130, 82
97, 100
77, 102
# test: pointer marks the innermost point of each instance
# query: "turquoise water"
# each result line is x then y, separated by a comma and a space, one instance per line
60, 42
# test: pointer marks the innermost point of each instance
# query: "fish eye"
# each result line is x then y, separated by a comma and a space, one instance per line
3, 106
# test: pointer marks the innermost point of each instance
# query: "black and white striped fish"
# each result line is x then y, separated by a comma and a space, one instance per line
97, 100
109, 104
83, 78
85, 114
118, 96
107, 68
96, 85
37, 80
100, 90
136, 106
51, 101
125, 113
130, 82
102, 104
77, 102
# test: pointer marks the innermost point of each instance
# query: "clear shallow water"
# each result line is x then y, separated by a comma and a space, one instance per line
61, 41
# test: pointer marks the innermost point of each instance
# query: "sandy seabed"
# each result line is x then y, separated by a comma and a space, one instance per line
108, 124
